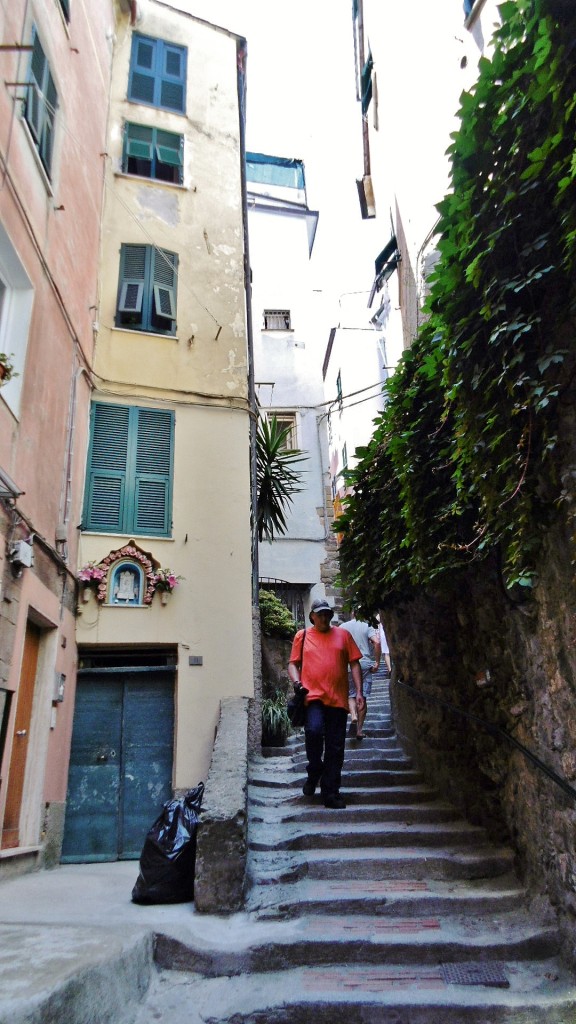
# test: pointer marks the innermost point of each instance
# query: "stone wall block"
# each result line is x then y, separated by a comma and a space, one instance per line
222, 843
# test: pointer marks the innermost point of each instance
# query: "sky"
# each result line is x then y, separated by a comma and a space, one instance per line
301, 103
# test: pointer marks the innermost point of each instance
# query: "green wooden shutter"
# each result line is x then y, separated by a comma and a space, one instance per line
107, 468
165, 275
129, 479
138, 141
169, 148
132, 279
153, 472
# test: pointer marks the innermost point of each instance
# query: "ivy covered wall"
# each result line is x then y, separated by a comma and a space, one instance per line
461, 526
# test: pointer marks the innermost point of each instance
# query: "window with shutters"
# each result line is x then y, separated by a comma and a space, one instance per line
129, 478
152, 153
157, 74
41, 103
147, 289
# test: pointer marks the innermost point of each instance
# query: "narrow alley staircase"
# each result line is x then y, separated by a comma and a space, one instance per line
392, 911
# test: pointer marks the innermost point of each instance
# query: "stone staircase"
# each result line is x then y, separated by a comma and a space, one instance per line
392, 911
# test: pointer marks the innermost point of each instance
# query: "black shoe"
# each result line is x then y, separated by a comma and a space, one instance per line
335, 803
309, 788
353, 728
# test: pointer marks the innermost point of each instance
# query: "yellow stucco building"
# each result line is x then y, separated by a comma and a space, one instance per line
168, 467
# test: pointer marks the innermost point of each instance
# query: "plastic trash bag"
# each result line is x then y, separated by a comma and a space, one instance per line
168, 857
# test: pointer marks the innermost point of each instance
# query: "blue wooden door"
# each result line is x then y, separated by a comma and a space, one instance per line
120, 762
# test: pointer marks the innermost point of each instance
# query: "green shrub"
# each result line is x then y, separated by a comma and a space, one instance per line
275, 721
275, 618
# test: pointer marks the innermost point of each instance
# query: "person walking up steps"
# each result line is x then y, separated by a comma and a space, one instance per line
368, 642
319, 659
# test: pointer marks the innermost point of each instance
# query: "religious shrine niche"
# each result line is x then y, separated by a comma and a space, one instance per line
129, 577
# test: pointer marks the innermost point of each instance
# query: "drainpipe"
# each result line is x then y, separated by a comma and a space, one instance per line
253, 411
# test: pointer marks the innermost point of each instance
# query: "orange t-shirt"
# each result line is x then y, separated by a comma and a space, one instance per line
324, 670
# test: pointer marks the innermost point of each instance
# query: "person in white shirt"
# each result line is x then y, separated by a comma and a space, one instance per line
367, 640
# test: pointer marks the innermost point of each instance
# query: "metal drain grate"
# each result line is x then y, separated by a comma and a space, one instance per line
492, 975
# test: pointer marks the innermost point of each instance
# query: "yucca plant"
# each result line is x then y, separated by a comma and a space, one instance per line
276, 480
275, 721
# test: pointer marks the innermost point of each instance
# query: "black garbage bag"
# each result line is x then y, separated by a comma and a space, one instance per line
168, 857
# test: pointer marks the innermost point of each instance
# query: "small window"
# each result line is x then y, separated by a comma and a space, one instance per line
157, 74
147, 289
41, 104
277, 320
339, 389
152, 153
65, 8
345, 456
287, 421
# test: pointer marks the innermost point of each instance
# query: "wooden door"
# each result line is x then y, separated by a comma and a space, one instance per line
120, 763
21, 738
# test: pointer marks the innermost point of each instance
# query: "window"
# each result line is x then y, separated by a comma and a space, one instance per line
345, 456
16, 301
277, 320
65, 8
41, 103
129, 478
147, 289
152, 153
339, 389
287, 421
157, 74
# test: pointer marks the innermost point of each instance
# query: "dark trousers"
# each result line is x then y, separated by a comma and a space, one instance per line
325, 733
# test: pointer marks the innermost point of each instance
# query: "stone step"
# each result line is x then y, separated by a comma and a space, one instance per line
451, 862
540, 992
291, 795
299, 812
315, 940
361, 757
361, 777
400, 898
328, 834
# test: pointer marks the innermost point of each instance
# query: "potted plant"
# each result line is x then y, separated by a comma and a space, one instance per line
275, 721
165, 581
7, 370
90, 576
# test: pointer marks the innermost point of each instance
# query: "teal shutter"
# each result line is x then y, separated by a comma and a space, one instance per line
153, 472
157, 73
169, 148
138, 141
129, 480
132, 280
172, 77
142, 69
108, 462
165, 269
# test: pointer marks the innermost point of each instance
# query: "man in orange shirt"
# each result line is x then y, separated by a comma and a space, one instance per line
319, 661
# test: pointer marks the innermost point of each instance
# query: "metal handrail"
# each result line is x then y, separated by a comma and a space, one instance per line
495, 730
